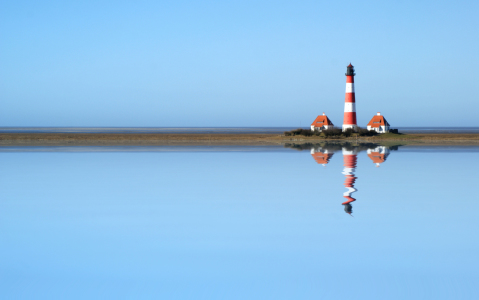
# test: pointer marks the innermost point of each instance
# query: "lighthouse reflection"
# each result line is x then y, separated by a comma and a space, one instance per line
350, 158
323, 153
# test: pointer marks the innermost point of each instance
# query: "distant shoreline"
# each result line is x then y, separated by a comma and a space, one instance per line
139, 139
212, 130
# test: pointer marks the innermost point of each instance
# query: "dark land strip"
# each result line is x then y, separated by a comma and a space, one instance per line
145, 139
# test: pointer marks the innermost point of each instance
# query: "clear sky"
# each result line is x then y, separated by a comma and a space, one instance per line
236, 63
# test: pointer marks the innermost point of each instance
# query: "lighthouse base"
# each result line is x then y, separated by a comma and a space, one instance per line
353, 127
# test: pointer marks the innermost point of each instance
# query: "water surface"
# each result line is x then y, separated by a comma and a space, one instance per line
295, 222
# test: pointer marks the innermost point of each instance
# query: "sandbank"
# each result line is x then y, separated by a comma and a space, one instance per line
144, 139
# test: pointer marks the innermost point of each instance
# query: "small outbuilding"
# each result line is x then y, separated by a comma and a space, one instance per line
321, 122
379, 124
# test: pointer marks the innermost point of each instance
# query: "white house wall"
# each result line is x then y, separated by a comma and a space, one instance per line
313, 128
381, 129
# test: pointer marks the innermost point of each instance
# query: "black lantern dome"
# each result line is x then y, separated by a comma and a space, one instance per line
350, 71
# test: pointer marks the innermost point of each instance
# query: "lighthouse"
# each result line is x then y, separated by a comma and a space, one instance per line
350, 101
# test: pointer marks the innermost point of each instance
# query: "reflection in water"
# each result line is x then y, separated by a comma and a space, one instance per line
378, 155
350, 158
322, 154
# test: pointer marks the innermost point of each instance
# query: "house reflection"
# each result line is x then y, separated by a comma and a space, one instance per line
378, 155
321, 155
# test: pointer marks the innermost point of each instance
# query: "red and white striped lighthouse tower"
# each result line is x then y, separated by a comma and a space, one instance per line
350, 101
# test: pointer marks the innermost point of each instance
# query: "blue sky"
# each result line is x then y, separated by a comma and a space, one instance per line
236, 63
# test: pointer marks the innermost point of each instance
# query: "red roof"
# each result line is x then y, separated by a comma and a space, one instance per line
377, 157
322, 158
321, 121
378, 121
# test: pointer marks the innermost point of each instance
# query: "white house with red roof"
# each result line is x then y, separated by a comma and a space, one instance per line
321, 122
379, 124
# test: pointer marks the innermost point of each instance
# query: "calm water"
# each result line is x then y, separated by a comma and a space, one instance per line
297, 222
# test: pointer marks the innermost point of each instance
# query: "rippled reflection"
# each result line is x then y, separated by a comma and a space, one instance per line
350, 158
378, 155
323, 153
